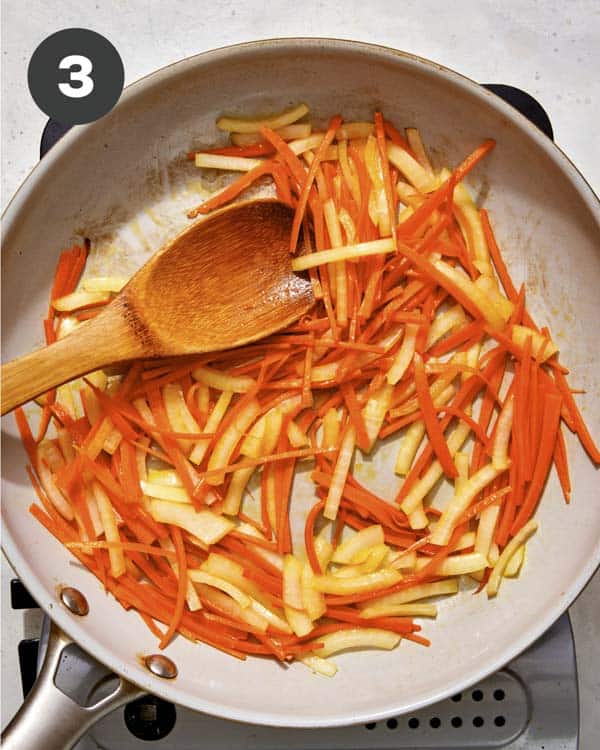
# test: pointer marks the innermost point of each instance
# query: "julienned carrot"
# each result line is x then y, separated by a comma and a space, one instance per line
271, 586
284, 472
406, 583
476, 426
550, 426
309, 537
248, 553
129, 475
113, 414
471, 161
151, 625
164, 581
282, 184
43, 498
76, 269
26, 435
232, 191
49, 330
466, 394
60, 276
395, 539
468, 334
181, 588
307, 386
415, 223
292, 162
68, 272
385, 166
432, 273
364, 501
256, 541
103, 475
562, 465
494, 498
256, 149
147, 549
485, 413
499, 263
522, 416
432, 424
397, 624
396, 137
355, 414
273, 458
309, 179
580, 427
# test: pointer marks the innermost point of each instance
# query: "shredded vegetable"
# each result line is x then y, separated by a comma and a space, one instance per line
174, 483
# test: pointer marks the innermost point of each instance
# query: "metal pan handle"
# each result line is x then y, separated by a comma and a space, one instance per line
51, 720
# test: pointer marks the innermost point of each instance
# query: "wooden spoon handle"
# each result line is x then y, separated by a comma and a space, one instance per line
103, 340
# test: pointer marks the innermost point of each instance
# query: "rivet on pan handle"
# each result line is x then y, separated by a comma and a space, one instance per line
161, 666
74, 601
65, 721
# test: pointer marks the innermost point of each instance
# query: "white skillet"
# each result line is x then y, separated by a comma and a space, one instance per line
104, 174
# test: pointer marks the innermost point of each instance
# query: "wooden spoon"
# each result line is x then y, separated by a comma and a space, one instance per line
222, 282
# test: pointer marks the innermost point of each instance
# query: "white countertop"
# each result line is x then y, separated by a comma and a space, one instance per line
550, 49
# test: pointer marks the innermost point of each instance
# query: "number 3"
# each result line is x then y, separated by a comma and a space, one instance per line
82, 76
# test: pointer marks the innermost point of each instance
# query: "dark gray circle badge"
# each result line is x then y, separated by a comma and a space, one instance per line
75, 76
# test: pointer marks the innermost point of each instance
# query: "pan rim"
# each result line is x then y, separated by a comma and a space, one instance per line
76, 629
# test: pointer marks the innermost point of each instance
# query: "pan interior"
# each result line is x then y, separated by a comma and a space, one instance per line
100, 182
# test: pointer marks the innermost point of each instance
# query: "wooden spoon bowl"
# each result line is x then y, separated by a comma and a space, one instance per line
224, 281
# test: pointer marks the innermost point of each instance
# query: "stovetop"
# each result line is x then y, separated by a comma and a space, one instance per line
531, 703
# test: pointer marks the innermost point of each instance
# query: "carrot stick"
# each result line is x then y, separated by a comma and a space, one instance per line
523, 412
282, 184
130, 480
580, 427
59, 530
432, 273
473, 159
562, 465
355, 414
309, 179
552, 404
26, 435
385, 165
397, 624
232, 191
147, 549
256, 149
406, 583
43, 498
396, 137
288, 157
309, 537
468, 334
181, 588
438, 441
151, 625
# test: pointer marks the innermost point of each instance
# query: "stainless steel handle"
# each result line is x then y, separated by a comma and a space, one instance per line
49, 719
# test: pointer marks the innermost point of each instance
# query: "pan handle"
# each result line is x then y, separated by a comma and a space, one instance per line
51, 720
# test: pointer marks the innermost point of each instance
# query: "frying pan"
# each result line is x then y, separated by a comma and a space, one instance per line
96, 183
